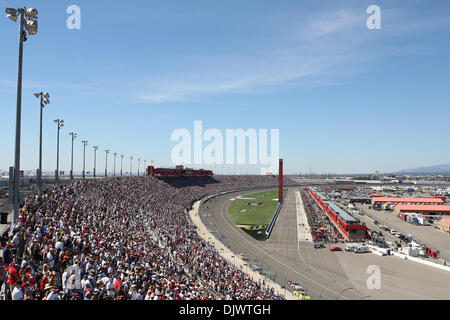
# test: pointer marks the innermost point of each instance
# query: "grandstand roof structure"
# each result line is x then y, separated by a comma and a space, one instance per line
344, 215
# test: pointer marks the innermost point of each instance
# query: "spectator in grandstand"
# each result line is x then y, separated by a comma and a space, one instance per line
92, 239
17, 293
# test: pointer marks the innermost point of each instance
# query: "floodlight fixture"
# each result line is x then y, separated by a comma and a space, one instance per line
11, 11
11, 17
31, 12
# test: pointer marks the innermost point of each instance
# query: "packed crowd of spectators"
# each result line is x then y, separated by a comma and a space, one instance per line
321, 226
119, 239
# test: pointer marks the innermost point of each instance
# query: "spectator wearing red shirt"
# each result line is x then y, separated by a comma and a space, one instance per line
117, 285
44, 281
13, 275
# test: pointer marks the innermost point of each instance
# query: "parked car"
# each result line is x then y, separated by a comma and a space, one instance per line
335, 249
362, 249
319, 246
350, 249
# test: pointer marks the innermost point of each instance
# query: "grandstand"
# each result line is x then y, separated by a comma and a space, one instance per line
124, 238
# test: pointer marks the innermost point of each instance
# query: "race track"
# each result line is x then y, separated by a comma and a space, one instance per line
325, 274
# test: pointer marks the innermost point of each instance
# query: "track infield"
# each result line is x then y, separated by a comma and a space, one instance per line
254, 209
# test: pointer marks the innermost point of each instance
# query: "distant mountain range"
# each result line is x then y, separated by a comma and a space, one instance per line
443, 169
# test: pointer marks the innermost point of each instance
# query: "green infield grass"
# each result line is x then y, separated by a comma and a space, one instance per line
243, 213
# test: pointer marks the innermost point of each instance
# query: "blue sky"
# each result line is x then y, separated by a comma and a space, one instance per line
346, 99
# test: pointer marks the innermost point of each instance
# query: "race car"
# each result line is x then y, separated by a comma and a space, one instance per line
301, 295
243, 257
294, 286
335, 249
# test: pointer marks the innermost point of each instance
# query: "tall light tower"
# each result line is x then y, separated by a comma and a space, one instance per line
27, 25
139, 164
74, 136
121, 163
106, 164
131, 166
60, 124
44, 100
85, 143
115, 155
95, 157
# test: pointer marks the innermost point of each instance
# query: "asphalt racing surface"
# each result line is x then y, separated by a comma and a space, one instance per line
323, 273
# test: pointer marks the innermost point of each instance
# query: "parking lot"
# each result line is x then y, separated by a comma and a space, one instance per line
426, 235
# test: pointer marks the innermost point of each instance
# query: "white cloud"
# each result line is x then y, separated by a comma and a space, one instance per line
317, 49
332, 23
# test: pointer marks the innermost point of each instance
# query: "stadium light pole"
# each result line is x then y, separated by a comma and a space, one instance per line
145, 169
121, 164
44, 99
115, 155
106, 164
27, 25
59, 124
95, 157
131, 166
85, 143
139, 164
74, 136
